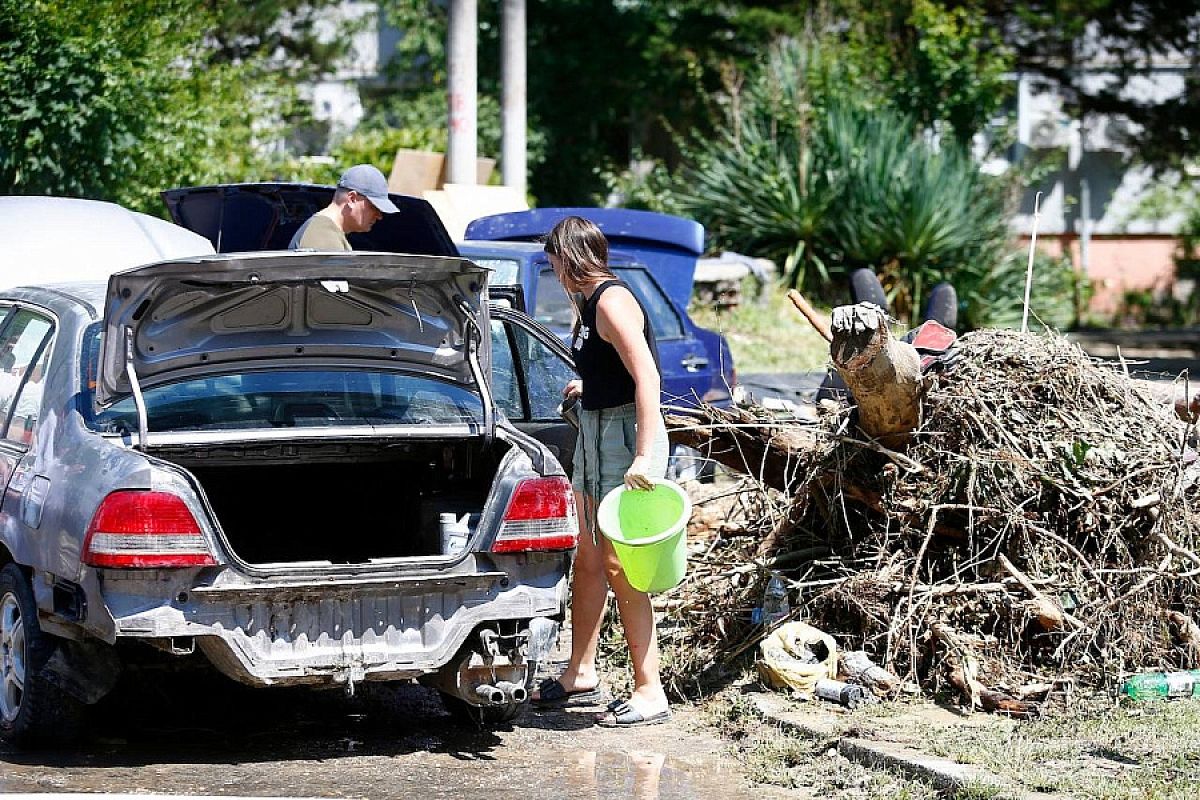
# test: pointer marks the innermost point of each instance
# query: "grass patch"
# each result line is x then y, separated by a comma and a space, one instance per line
1147, 751
771, 337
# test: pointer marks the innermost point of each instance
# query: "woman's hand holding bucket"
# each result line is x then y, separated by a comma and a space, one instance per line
635, 476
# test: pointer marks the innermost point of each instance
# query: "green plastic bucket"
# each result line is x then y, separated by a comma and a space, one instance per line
647, 528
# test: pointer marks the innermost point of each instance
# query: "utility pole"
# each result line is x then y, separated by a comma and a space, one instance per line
512, 102
461, 150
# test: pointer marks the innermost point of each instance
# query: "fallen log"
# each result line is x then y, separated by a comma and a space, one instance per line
777, 455
990, 699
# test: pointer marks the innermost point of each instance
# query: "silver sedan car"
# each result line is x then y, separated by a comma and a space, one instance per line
304, 468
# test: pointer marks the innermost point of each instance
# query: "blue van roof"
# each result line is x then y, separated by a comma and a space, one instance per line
621, 225
667, 245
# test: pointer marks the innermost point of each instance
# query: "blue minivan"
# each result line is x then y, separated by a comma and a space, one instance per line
655, 254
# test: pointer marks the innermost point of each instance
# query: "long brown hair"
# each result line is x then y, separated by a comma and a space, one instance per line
582, 249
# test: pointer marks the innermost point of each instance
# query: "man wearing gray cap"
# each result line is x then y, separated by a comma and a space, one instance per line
360, 200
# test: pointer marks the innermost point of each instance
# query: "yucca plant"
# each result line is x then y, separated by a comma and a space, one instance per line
811, 172
760, 185
914, 212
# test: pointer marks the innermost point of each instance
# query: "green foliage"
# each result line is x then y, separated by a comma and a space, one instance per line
294, 34
940, 63
997, 301
609, 77
810, 170
646, 185
417, 120
1056, 40
118, 99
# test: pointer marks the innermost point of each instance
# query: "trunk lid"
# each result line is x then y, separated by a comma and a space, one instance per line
204, 316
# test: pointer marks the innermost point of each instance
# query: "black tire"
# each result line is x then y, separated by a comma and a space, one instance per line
481, 716
942, 306
866, 288
33, 712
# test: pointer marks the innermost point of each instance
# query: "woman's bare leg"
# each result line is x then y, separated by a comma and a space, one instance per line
589, 595
637, 618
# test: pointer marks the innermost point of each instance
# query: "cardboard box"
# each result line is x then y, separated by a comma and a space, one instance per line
416, 171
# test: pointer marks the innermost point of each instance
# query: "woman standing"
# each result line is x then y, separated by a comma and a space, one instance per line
622, 439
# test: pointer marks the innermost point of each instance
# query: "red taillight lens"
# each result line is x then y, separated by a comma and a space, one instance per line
540, 516
140, 529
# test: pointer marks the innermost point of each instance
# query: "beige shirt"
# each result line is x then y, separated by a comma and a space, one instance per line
319, 233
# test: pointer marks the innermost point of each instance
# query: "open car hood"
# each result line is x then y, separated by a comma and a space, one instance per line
240, 217
215, 314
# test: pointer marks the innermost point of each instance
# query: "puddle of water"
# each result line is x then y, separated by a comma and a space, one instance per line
636, 775
263, 744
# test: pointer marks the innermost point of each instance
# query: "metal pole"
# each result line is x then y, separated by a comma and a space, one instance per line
1037, 213
512, 102
461, 148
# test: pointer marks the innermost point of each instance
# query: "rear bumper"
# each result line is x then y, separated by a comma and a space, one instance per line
338, 631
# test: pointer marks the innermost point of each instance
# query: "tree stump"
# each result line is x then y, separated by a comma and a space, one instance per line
882, 372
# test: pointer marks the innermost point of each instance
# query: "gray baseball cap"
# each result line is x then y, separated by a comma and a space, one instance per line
370, 183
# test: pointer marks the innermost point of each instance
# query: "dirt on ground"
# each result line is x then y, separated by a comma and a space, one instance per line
206, 736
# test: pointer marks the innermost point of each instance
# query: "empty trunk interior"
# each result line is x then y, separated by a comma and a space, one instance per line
344, 504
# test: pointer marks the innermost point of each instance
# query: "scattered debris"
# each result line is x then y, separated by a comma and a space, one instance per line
850, 695
1038, 527
797, 656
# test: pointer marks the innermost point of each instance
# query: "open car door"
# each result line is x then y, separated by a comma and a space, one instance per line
530, 367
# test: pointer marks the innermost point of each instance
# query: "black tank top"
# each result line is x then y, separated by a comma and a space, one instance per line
606, 382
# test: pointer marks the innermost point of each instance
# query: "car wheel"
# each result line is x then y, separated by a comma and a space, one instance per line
942, 306
32, 710
866, 288
481, 716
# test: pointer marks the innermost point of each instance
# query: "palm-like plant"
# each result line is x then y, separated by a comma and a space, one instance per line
808, 170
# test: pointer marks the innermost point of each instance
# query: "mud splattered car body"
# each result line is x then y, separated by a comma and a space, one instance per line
251, 458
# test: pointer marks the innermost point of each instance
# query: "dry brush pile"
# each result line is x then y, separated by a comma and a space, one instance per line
1041, 525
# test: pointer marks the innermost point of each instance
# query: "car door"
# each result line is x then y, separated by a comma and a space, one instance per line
24, 349
530, 367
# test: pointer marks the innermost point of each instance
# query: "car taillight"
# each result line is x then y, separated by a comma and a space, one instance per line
141, 529
540, 516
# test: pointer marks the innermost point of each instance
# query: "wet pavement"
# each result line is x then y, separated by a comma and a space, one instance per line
202, 735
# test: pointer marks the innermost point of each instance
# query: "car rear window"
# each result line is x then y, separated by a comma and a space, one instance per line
296, 398
284, 398
505, 271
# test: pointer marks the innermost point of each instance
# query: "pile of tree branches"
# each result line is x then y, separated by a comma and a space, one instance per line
1039, 525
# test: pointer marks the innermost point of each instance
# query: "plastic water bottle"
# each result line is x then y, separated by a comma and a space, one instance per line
775, 605
455, 532
1155, 685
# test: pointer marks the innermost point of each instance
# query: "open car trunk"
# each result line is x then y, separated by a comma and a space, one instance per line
341, 503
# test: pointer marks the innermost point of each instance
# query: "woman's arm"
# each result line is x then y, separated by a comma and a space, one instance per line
620, 322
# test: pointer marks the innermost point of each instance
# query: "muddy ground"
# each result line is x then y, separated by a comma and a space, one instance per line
203, 735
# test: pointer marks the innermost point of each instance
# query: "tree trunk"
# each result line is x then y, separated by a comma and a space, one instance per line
774, 454
883, 373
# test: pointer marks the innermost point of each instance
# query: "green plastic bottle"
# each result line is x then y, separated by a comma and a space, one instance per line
1156, 685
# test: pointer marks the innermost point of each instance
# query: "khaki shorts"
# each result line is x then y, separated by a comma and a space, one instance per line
605, 446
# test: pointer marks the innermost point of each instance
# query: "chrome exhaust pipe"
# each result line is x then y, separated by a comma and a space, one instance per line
491, 694
514, 692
